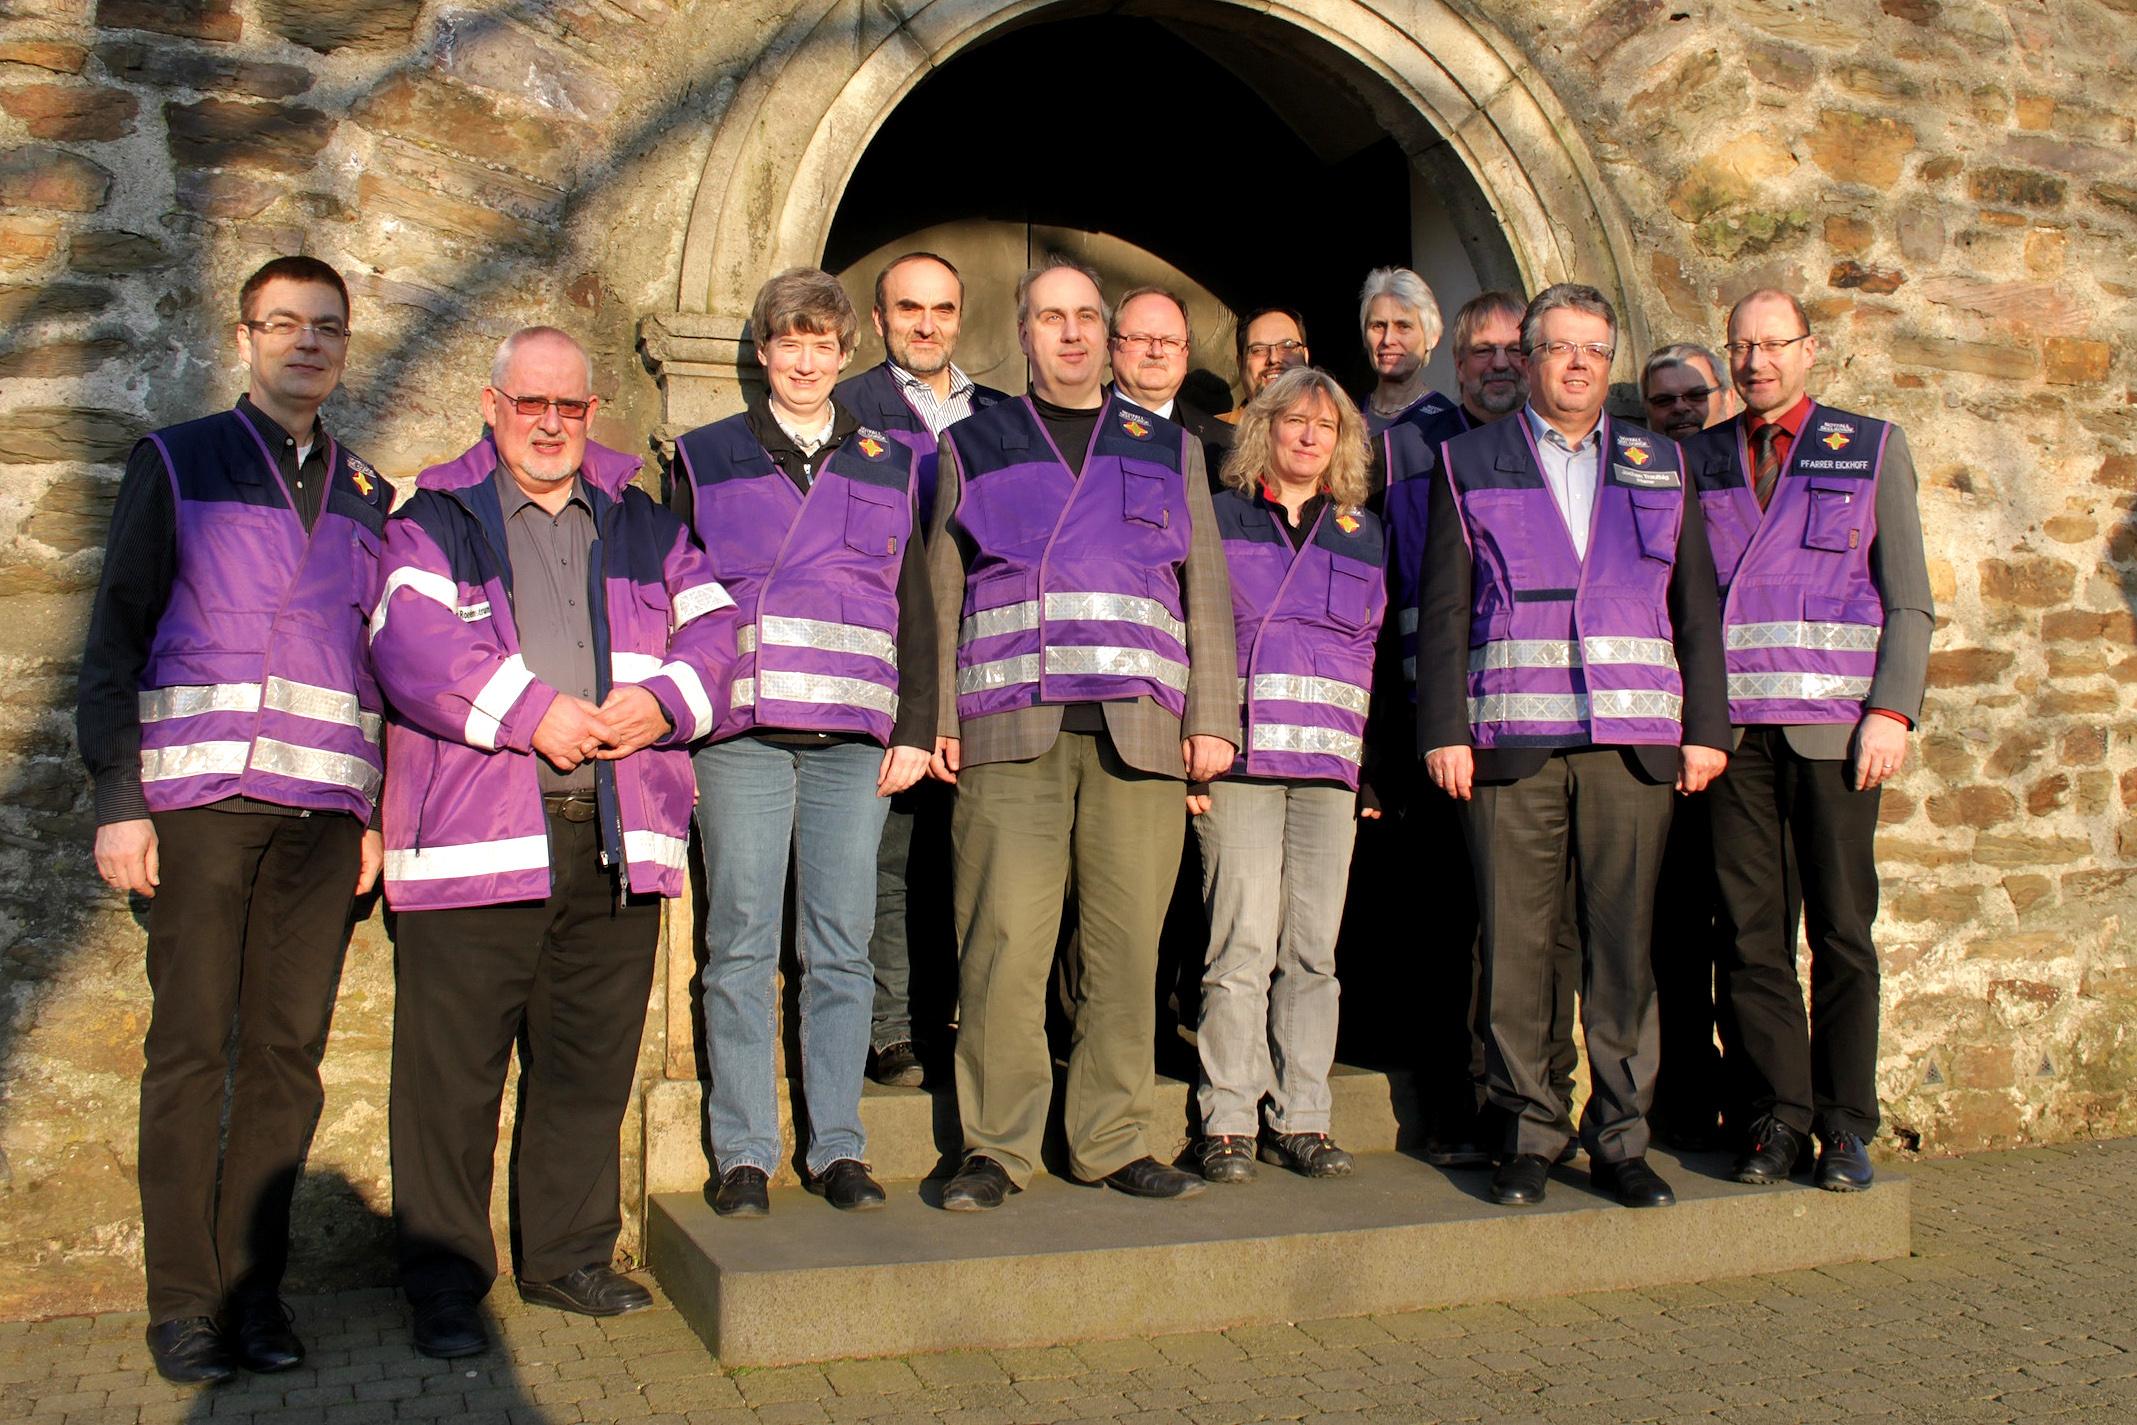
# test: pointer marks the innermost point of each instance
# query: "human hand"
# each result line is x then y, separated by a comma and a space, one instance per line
902, 766
1697, 766
943, 765
1880, 748
1206, 758
570, 732
126, 856
635, 719
1453, 770
370, 859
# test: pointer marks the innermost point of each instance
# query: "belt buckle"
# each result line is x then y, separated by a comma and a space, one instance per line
572, 808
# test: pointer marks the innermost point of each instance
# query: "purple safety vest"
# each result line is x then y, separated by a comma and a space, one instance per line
1410, 448
1307, 620
879, 399
814, 578
258, 683
1801, 615
1565, 651
1073, 591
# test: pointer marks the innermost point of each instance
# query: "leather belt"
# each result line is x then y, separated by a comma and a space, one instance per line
571, 806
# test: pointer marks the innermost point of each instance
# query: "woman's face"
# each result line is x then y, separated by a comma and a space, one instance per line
1302, 440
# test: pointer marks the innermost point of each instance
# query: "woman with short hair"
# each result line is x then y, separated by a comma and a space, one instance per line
1308, 594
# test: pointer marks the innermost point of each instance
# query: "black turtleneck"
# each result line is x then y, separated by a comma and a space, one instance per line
1070, 427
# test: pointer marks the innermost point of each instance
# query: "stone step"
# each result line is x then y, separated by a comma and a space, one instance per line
913, 1131
1062, 1262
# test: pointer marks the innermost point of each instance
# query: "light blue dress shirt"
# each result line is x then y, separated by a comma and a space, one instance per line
1571, 472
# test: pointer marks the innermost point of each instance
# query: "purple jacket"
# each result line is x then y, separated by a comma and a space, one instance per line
814, 577
880, 401
1073, 591
1410, 446
257, 683
1564, 651
1801, 612
1307, 620
464, 818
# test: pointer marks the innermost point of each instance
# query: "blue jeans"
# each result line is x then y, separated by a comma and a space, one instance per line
755, 799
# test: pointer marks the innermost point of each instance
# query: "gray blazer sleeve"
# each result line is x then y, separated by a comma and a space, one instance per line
1212, 637
946, 580
1902, 577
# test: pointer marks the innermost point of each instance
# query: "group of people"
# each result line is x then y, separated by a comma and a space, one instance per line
1068, 612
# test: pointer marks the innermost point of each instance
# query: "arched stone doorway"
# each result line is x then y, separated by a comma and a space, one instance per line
1516, 193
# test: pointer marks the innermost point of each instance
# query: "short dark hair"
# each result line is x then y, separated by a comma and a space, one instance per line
918, 256
295, 268
1239, 333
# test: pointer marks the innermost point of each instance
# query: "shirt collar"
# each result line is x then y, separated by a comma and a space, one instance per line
516, 499
269, 427
959, 382
1790, 420
1547, 434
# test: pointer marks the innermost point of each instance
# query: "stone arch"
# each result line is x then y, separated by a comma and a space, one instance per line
1454, 91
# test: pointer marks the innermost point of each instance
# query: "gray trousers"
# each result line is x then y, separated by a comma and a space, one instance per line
1587, 805
1275, 862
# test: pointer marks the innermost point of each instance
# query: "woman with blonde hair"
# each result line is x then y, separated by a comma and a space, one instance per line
1308, 594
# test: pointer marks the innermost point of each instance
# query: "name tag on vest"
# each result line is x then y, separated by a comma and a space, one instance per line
1651, 479
469, 613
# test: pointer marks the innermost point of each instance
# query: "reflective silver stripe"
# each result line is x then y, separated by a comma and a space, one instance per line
1647, 652
436, 587
1297, 688
1406, 621
660, 849
990, 623
1529, 707
473, 858
1636, 702
1409, 669
371, 724
746, 638
312, 701
1292, 737
192, 699
692, 688
485, 718
632, 667
743, 694
1001, 673
311, 764
699, 600
1523, 653
831, 638
193, 759
1076, 660
1117, 608
1797, 686
1822, 637
781, 686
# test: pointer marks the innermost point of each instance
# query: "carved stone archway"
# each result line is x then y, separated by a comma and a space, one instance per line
1452, 89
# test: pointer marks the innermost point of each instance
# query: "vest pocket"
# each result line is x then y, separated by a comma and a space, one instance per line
1834, 521
876, 521
1655, 514
1350, 595
1145, 497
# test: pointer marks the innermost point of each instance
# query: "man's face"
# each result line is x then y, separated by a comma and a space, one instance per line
1064, 334
1683, 398
801, 368
1394, 339
548, 446
1574, 382
1150, 354
1491, 370
923, 307
301, 366
1267, 354
1771, 383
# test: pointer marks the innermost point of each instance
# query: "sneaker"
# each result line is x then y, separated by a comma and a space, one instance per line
897, 1066
1313, 1155
1225, 1158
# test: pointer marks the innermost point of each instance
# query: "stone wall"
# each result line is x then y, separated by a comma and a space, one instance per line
1948, 184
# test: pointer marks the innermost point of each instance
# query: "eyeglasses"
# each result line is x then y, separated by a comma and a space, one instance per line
286, 329
1263, 350
1771, 346
573, 410
1561, 350
1486, 351
1692, 397
1160, 345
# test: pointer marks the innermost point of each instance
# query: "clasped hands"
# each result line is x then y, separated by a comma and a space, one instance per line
574, 731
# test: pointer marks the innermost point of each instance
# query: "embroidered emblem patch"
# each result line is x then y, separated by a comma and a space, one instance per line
870, 445
1637, 454
1347, 523
363, 475
1135, 425
1835, 441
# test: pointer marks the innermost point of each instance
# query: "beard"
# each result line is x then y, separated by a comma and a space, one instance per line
922, 363
1498, 399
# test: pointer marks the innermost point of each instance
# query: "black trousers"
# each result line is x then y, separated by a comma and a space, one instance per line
566, 980
1587, 806
245, 942
1818, 1073
1693, 1085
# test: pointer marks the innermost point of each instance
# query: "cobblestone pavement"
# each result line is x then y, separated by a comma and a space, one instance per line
2019, 1304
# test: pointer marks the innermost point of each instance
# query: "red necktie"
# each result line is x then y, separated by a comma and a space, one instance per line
1765, 461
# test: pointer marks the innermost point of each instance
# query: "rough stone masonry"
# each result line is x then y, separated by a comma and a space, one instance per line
1949, 183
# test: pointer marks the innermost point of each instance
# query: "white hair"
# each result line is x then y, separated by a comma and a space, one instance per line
509, 348
1407, 288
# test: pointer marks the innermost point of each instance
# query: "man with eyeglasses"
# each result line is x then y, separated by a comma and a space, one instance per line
551, 641
1827, 617
1151, 344
227, 712
916, 391
1270, 341
1683, 389
1570, 674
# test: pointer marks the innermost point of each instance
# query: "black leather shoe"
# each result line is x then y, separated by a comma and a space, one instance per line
1312, 1155
1773, 1153
448, 1326
847, 1186
1147, 1177
1520, 1180
1455, 1153
190, 1351
260, 1336
1567, 1154
979, 1185
1635, 1183
898, 1066
742, 1192
598, 1290
1843, 1163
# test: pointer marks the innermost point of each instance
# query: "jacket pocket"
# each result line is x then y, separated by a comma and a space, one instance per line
1656, 514
1350, 594
1146, 496
1836, 516
877, 520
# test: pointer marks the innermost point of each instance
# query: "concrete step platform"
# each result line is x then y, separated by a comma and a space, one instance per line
1062, 1262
